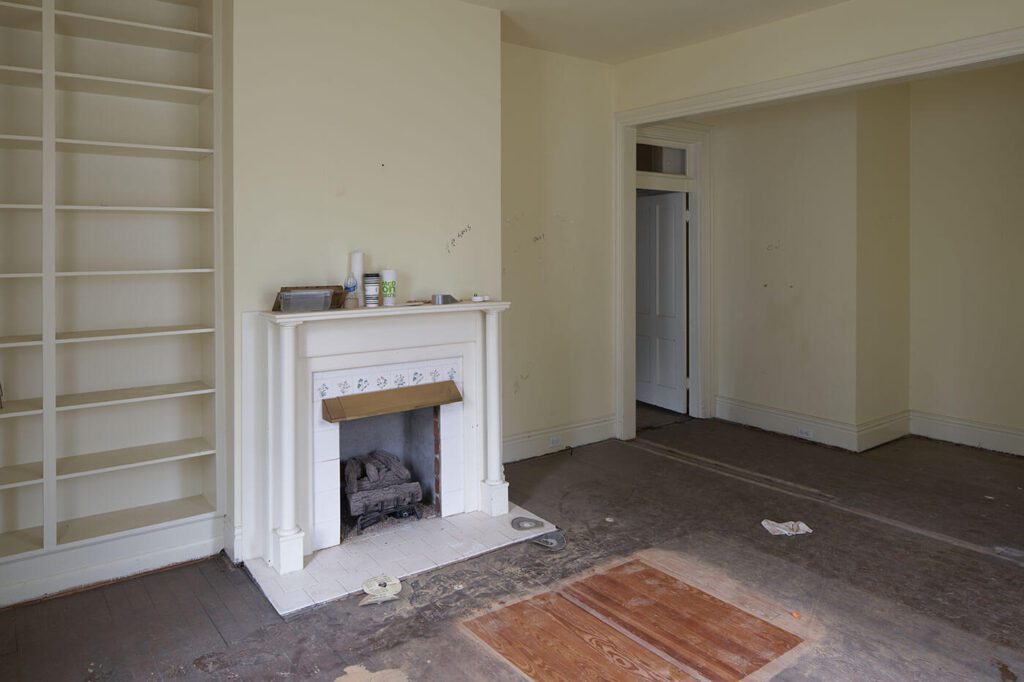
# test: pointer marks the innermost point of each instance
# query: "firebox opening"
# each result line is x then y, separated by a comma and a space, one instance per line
412, 436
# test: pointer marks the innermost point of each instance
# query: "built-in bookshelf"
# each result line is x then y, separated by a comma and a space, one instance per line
110, 249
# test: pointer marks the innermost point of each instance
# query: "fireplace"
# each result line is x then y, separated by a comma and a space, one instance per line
291, 460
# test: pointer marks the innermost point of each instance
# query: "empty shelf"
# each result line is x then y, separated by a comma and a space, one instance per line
122, 87
121, 273
14, 15
21, 408
21, 541
88, 527
21, 142
20, 207
20, 275
130, 333
23, 76
135, 209
127, 149
127, 458
21, 341
120, 396
18, 475
94, 27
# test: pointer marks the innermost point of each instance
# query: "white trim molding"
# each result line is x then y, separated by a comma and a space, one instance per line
536, 443
957, 54
805, 426
968, 432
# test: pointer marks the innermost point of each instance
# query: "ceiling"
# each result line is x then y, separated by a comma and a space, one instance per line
616, 31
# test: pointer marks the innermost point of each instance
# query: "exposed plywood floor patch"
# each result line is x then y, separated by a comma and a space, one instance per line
633, 621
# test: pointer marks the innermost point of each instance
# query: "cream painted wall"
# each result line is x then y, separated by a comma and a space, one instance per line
366, 125
556, 240
883, 252
966, 246
840, 34
785, 208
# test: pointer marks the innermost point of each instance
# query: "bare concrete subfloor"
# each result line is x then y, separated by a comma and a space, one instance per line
890, 603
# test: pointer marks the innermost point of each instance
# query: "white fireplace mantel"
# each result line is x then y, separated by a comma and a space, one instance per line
296, 342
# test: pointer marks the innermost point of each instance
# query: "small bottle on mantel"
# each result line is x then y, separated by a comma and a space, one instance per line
351, 292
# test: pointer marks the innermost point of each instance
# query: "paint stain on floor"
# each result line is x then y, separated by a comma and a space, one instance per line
358, 673
631, 622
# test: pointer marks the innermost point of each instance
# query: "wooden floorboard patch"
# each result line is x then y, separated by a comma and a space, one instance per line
631, 622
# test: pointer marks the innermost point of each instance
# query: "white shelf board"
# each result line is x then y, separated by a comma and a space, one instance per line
18, 475
123, 396
99, 525
21, 142
21, 541
129, 149
16, 15
123, 273
20, 275
128, 458
94, 27
21, 341
122, 87
21, 408
22, 76
134, 209
21, 207
130, 333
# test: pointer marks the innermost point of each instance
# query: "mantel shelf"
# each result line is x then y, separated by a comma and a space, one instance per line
122, 396
356, 313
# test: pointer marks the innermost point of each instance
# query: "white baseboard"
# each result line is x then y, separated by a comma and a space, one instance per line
534, 443
44, 573
873, 433
968, 432
861, 437
817, 429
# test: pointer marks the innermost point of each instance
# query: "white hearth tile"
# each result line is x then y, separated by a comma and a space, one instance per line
327, 475
326, 505
400, 550
326, 444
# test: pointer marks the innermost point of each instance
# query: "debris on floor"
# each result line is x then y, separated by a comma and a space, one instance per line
381, 589
786, 527
526, 523
553, 541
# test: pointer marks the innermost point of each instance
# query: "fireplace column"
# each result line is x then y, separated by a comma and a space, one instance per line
288, 537
494, 496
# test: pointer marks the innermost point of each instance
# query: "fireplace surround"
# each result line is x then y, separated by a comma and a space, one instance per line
287, 480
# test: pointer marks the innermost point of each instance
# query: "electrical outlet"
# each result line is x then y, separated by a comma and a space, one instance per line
554, 442
804, 432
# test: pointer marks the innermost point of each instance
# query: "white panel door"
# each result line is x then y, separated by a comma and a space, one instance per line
661, 300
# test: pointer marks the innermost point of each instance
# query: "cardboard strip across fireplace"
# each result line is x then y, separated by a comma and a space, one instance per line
361, 405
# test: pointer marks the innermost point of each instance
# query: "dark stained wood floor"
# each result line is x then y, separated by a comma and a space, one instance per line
631, 622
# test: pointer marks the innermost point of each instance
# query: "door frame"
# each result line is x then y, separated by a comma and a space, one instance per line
697, 182
957, 54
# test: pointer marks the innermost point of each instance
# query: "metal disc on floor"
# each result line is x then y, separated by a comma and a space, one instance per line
526, 523
553, 541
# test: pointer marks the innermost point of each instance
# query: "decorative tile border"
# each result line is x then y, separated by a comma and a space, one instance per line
384, 377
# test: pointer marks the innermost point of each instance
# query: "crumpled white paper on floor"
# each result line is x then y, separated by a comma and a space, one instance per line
786, 527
